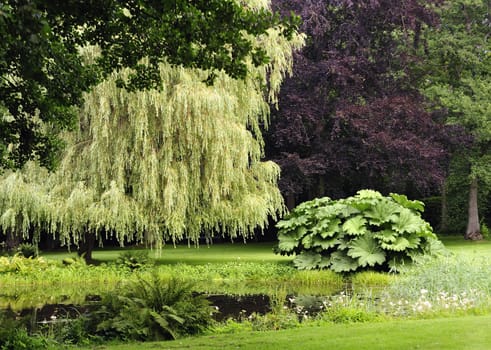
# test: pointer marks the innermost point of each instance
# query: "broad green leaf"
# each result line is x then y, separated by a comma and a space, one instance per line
287, 243
367, 250
324, 243
368, 194
327, 212
361, 206
331, 228
426, 231
307, 241
381, 212
435, 247
307, 260
345, 211
343, 263
300, 231
398, 245
414, 241
407, 221
387, 236
406, 203
324, 263
355, 226
310, 206
344, 241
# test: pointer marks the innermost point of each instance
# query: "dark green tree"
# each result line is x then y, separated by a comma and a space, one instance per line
43, 75
459, 78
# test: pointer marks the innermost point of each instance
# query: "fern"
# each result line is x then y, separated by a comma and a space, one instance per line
153, 309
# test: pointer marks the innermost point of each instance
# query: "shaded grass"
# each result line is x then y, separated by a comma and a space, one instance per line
239, 252
450, 333
215, 253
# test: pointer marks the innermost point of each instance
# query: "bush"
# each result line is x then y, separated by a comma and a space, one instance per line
134, 259
28, 250
367, 231
21, 265
14, 336
154, 309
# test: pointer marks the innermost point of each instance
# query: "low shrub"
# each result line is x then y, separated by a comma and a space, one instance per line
28, 250
19, 339
152, 309
134, 259
22, 265
367, 231
15, 336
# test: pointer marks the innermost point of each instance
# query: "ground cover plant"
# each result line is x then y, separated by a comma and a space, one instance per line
366, 231
455, 286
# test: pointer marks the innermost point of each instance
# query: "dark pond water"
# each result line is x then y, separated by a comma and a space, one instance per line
228, 306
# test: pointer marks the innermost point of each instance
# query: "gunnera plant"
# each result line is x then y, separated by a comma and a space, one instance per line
366, 231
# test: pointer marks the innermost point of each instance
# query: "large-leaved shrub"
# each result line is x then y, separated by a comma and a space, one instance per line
366, 231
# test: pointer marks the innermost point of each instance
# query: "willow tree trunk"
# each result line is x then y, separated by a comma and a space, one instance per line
86, 247
473, 231
13, 240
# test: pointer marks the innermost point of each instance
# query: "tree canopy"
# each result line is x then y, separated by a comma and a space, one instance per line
159, 165
351, 116
458, 64
43, 75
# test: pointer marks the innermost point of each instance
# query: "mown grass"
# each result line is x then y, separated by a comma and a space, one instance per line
458, 245
191, 255
455, 333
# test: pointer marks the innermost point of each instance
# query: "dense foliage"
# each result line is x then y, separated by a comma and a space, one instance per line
351, 116
366, 231
458, 65
154, 309
43, 75
160, 165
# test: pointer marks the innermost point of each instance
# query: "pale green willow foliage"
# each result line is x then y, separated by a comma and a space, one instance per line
157, 165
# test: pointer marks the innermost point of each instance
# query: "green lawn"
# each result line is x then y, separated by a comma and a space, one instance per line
459, 245
216, 253
471, 332
256, 252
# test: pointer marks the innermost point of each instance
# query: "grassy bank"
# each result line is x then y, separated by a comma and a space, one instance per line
449, 333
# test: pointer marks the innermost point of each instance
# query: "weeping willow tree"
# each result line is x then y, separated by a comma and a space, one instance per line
159, 166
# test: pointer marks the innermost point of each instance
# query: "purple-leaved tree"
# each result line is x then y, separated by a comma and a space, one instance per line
351, 116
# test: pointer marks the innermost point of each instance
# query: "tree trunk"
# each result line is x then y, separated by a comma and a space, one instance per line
473, 231
86, 247
13, 240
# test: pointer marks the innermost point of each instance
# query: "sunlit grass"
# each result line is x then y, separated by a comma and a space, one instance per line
458, 245
435, 334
